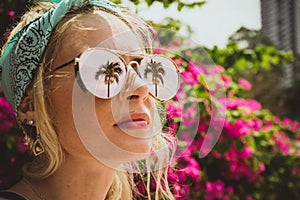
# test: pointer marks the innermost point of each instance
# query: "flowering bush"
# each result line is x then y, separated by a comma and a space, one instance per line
257, 154
10, 10
13, 150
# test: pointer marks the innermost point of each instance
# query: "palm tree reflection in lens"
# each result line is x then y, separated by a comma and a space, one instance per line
112, 72
156, 68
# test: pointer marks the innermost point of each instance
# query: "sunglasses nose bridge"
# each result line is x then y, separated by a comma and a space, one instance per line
134, 65
134, 85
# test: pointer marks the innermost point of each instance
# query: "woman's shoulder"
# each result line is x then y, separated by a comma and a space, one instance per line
9, 195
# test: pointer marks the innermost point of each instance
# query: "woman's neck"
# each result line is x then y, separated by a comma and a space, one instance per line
77, 178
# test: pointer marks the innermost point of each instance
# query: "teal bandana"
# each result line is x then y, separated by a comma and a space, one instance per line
23, 53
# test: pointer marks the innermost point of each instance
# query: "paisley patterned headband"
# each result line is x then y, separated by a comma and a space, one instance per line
21, 57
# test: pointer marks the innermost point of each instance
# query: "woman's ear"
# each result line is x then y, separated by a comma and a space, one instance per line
26, 109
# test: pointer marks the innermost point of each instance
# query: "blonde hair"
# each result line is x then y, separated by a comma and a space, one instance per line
47, 163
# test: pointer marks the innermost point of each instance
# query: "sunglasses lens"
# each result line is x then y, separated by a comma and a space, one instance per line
162, 76
102, 72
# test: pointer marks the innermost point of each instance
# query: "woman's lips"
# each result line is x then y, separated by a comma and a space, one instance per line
134, 121
133, 125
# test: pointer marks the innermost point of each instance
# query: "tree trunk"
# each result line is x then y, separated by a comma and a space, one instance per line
108, 89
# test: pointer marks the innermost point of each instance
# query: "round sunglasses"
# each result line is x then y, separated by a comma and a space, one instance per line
103, 72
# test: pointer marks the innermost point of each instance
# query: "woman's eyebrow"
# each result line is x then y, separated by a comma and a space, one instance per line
129, 58
137, 58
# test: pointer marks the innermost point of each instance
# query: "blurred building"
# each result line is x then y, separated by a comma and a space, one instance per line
281, 24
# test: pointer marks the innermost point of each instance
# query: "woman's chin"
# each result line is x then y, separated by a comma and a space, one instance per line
139, 148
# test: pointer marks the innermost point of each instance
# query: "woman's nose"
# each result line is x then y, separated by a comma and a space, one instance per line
139, 94
135, 88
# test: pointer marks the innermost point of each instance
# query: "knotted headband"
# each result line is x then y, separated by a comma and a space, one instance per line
21, 57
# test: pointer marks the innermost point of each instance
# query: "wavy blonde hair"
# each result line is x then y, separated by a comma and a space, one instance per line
47, 163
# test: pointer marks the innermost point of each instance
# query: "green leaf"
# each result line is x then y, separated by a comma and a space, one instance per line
223, 147
239, 145
116, 1
136, 2
180, 6
149, 2
201, 79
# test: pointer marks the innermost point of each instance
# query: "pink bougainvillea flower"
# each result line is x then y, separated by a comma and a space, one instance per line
172, 130
261, 167
191, 168
232, 104
191, 74
232, 154
188, 53
282, 140
189, 118
13, 160
11, 14
178, 61
295, 126
211, 70
173, 110
189, 78
202, 127
247, 172
297, 152
229, 190
276, 119
5, 36
181, 191
268, 125
193, 171
256, 124
21, 147
245, 84
141, 188
215, 189
217, 69
172, 176
286, 122
159, 50
246, 152
251, 104
249, 198
284, 146
233, 167
216, 154
296, 170
180, 93
226, 80
226, 197
185, 153
186, 136
237, 129
152, 186
7, 117
196, 69
231, 93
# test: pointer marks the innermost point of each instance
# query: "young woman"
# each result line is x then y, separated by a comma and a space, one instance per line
84, 92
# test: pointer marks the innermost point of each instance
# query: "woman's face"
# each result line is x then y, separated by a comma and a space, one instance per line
113, 130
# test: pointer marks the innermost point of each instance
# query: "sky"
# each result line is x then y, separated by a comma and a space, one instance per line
213, 22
